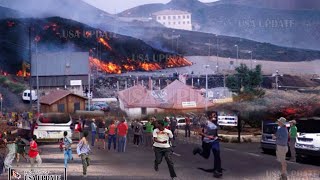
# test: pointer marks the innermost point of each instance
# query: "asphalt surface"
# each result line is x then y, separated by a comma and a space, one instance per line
240, 161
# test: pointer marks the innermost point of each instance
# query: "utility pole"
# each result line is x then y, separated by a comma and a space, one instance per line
217, 66
30, 59
237, 63
38, 96
206, 66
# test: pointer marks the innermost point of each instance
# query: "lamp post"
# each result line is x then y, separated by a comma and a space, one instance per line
237, 54
37, 76
206, 66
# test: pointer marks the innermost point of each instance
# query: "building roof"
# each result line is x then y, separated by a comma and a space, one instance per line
55, 96
170, 12
182, 96
176, 95
60, 64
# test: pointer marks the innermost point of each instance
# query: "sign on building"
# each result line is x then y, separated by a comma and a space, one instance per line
228, 120
75, 83
190, 104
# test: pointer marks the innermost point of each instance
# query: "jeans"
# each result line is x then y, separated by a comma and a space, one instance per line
148, 139
36, 159
85, 162
167, 153
112, 138
292, 148
187, 130
67, 157
122, 140
136, 139
215, 148
10, 156
93, 138
173, 132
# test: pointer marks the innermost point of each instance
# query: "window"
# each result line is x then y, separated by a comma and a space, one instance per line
159, 18
183, 22
144, 111
60, 107
164, 17
169, 23
183, 17
174, 17
179, 17
188, 17
169, 17
174, 23
76, 106
179, 22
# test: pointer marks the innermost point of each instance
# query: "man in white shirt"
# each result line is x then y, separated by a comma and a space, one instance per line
161, 146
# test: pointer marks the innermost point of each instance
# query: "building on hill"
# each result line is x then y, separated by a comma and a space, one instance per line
62, 70
174, 19
61, 101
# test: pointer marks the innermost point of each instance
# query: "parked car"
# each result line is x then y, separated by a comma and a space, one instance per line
26, 95
268, 144
308, 139
103, 106
52, 125
181, 122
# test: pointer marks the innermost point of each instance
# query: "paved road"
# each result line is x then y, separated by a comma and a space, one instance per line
240, 161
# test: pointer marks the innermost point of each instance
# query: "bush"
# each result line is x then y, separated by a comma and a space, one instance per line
3, 79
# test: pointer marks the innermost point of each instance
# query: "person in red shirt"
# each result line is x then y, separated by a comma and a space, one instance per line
122, 135
34, 152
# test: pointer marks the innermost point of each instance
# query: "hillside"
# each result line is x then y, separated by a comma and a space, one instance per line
117, 53
8, 13
292, 28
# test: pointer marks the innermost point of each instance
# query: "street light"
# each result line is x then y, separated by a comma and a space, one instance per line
237, 53
206, 66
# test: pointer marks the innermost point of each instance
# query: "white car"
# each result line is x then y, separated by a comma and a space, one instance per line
26, 95
181, 122
52, 126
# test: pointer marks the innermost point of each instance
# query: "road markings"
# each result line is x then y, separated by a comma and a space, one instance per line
177, 154
253, 154
230, 149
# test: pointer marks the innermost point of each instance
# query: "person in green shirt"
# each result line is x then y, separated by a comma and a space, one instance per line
148, 134
293, 135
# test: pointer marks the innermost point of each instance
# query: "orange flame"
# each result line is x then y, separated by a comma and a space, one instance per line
177, 61
105, 43
107, 67
129, 67
23, 74
150, 66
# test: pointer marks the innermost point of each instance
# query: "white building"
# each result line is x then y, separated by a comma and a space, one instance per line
174, 19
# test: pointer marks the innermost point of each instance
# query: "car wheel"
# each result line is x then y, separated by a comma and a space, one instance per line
266, 151
299, 158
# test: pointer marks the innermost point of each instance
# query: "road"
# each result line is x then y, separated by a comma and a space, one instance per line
240, 161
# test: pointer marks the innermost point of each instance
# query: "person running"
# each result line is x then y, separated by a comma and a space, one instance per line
67, 142
293, 135
83, 150
148, 134
10, 141
93, 132
112, 135
162, 148
137, 130
21, 149
102, 134
34, 152
281, 138
122, 135
210, 142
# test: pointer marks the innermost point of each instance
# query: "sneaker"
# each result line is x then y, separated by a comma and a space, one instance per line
156, 167
84, 176
196, 151
217, 174
283, 177
174, 178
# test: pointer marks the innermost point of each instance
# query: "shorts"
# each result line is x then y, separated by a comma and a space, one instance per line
281, 153
102, 136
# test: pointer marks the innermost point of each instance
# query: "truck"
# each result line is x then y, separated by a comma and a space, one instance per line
26, 95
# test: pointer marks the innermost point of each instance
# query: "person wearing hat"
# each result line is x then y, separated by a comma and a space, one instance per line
281, 137
293, 135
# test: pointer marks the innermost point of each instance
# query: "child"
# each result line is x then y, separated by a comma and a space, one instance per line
61, 144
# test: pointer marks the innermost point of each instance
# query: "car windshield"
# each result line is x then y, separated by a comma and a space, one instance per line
308, 126
270, 128
56, 119
182, 121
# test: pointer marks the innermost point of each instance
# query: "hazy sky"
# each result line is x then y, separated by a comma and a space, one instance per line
112, 6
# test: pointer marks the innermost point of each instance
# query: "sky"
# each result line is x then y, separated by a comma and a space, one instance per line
116, 6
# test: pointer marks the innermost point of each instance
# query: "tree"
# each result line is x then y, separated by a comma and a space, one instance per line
245, 80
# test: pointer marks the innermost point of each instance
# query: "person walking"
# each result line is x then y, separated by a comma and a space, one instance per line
162, 148
122, 135
173, 126
10, 141
293, 135
112, 135
21, 149
137, 130
34, 153
148, 134
281, 138
93, 132
102, 134
67, 142
210, 142
83, 150
187, 127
